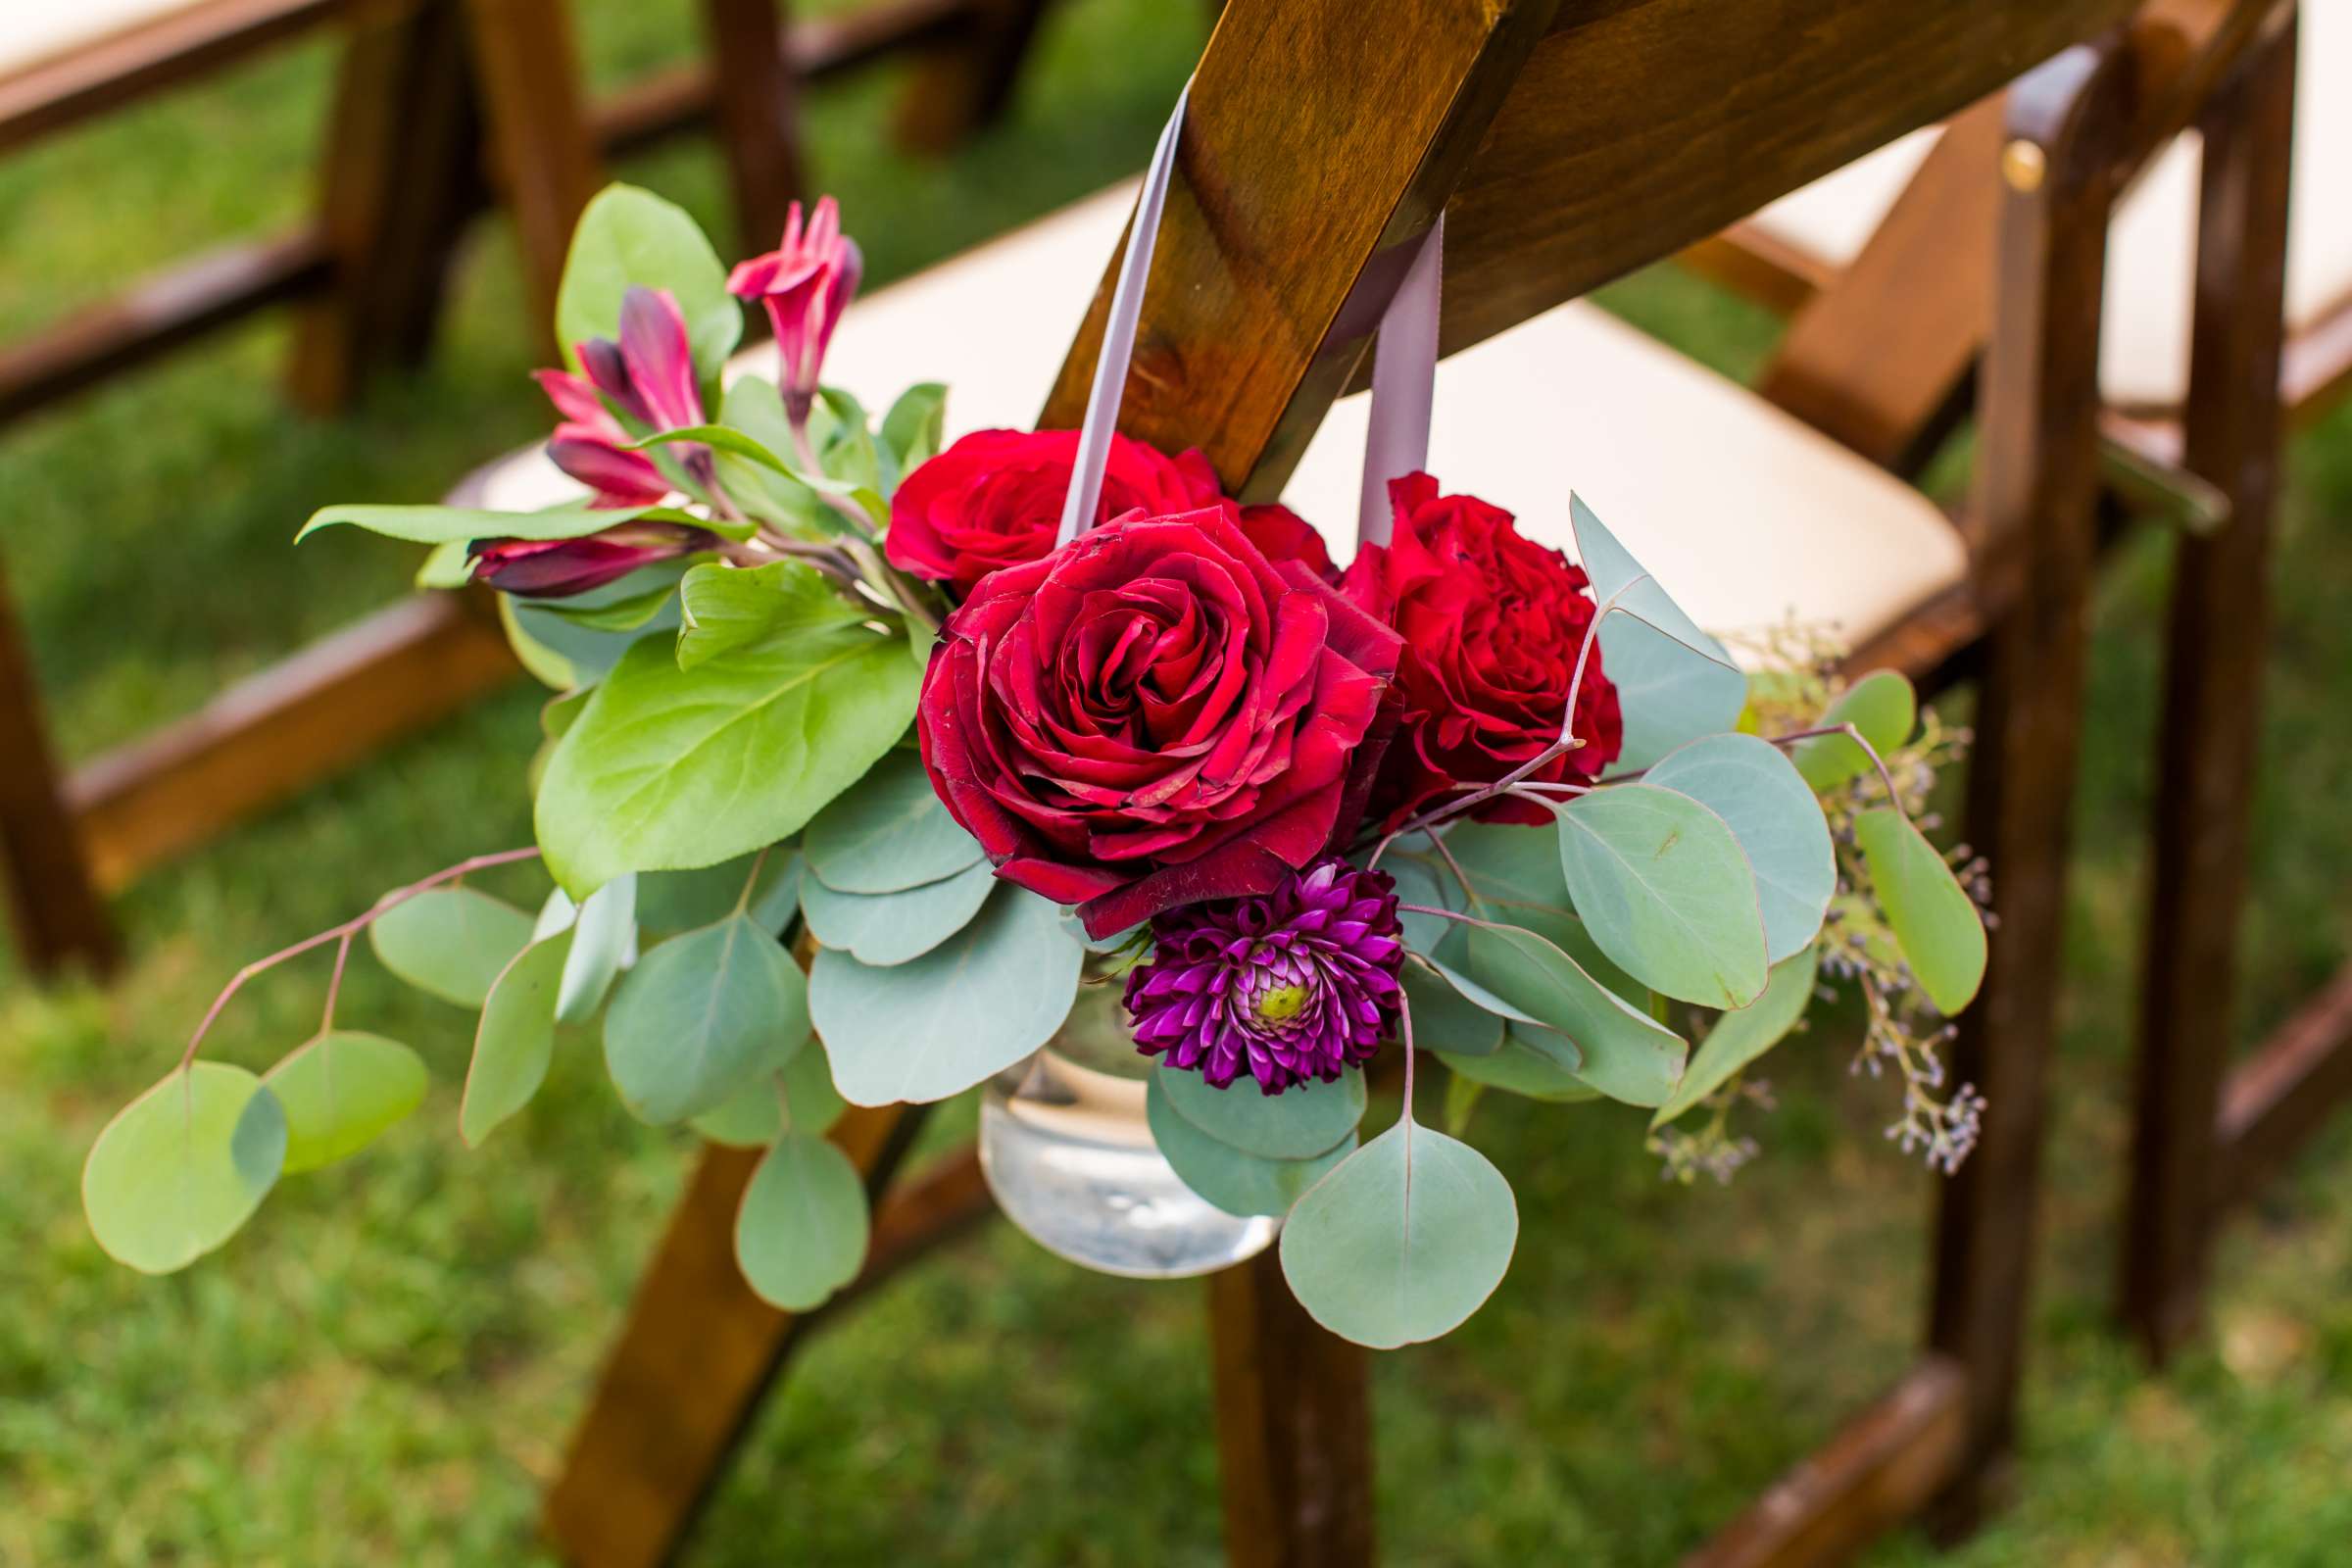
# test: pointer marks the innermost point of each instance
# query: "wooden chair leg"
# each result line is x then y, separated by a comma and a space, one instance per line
2215, 650
528, 71
686, 1376
1294, 1426
60, 918
401, 173
757, 109
2033, 565
965, 86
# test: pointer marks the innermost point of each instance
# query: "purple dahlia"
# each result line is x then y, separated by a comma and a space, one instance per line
1287, 985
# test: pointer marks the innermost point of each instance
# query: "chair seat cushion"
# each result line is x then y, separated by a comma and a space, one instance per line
32, 31
2152, 259
1744, 514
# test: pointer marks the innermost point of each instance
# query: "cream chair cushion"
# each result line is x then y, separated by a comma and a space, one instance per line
35, 31
2151, 259
1745, 515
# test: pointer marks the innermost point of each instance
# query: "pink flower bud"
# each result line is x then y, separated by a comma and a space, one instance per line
806, 282
558, 569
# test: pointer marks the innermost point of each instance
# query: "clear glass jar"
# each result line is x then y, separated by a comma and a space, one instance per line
1067, 1152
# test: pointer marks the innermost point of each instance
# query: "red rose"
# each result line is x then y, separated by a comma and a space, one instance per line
1493, 623
1154, 714
993, 499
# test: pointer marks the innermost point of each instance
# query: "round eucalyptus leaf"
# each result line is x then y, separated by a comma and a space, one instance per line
800, 1234
515, 1039
1932, 917
1739, 1038
1775, 815
965, 1010
1518, 1068
451, 942
1881, 705
670, 901
604, 934
1425, 880
1402, 1240
808, 1080
890, 928
1510, 865
1611, 1045
1303, 1121
701, 1016
1665, 890
752, 1117
1223, 1176
339, 1090
888, 832
1446, 1020
181, 1168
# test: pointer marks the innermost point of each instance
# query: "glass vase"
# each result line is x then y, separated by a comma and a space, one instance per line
1069, 1156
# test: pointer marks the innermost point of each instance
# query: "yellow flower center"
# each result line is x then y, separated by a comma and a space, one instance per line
1281, 1004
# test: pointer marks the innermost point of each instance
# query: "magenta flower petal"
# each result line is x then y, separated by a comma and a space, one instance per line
558, 569
806, 283
658, 357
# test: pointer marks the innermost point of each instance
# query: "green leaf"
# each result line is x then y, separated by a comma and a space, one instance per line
448, 564
1518, 1068
669, 769
516, 1040
962, 1013
1669, 694
628, 237
1303, 1121
800, 1234
726, 607
180, 1168
563, 652
1402, 1240
753, 1117
702, 1015
1223, 1176
847, 450
339, 1090
1943, 935
808, 1080
914, 426
1447, 1020
451, 942
1616, 574
891, 928
1424, 880
604, 936
888, 832
462, 526
1665, 891
681, 901
1883, 707
1773, 812
753, 406
1619, 1049
1462, 1096
1739, 1038
621, 614
1507, 865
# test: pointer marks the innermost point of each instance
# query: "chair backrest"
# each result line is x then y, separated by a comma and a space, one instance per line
1570, 141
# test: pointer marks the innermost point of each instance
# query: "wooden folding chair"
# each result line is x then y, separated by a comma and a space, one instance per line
1568, 144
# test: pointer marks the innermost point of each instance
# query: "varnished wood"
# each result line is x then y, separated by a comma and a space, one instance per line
965, 83
2216, 648
532, 96
757, 104
1294, 1426
2287, 1091
58, 917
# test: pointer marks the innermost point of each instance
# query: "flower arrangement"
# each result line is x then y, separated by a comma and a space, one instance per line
973, 729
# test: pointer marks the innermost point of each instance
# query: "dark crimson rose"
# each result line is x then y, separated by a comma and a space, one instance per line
558, 569
993, 499
1155, 714
1491, 624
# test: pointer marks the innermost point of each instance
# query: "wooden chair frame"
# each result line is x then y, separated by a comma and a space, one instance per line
1486, 102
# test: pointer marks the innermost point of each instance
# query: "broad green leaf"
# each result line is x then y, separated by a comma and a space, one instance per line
1457, 977
515, 1039
1462, 1096
339, 1090
1739, 1038
753, 406
890, 928
1567, 932
1446, 1020
847, 449
557, 712
1223, 1176
1665, 891
629, 613
1616, 574
604, 937
888, 832
451, 942
1883, 707
1942, 932
629, 237
962, 1013
1619, 1049
461, 526
1303, 1121
702, 1015
808, 1080
801, 1232
726, 607
683, 901
448, 564
669, 769
565, 653
912, 429
720, 438
1773, 812
1518, 1068
1424, 880
1402, 1240
180, 1168
753, 1117
1669, 694
1509, 865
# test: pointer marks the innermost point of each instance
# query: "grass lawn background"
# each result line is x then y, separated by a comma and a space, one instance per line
383, 1369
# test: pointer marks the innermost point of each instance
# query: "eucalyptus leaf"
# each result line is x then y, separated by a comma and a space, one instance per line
808, 1080
604, 936
566, 652
1881, 705
1778, 821
1223, 1176
802, 1232
1402, 1240
726, 607
1739, 1038
702, 1015
1424, 880
891, 928
1668, 693
1665, 890
753, 1117
451, 942
888, 832
339, 1090
1619, 1048
1616, 574
1507, 865
515, 1039
182, 1167
962, 1013
670, 901
1932, 917
1304, 1121
1446, 1020
629, 237
1518, 1068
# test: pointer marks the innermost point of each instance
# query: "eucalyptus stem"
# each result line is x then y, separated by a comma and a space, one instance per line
334, 982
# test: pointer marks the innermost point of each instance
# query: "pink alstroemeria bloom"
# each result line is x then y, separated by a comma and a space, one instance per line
558, 569
806, 282
648, 376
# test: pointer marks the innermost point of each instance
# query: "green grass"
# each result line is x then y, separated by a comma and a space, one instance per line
383, 1367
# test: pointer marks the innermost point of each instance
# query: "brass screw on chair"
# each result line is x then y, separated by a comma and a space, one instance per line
2023, 165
